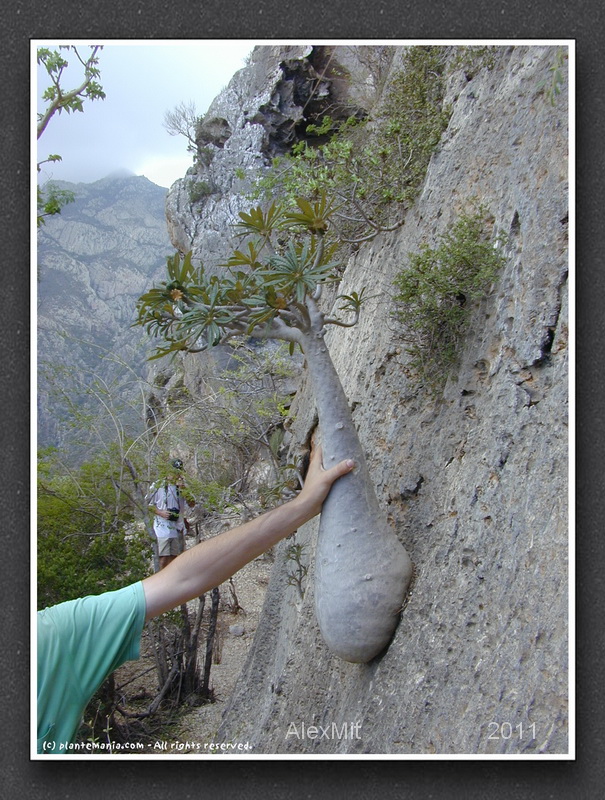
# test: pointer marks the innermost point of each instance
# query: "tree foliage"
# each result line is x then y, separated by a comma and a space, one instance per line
86, 542
269, 289
57, 99
374, 166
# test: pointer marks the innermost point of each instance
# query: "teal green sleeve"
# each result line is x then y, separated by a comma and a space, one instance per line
79, 644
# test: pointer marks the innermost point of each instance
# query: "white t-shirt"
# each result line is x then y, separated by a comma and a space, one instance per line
164, 496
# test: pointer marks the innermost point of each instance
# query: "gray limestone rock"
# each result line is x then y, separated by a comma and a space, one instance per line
475, 481
261, 113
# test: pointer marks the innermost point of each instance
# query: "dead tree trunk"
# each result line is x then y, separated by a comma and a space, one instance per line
206, 692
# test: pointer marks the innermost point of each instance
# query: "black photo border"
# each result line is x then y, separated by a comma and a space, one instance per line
326, 19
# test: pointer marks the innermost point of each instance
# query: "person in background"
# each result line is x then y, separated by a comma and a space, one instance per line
164, 501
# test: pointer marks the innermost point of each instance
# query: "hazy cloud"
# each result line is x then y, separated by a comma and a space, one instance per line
141, 80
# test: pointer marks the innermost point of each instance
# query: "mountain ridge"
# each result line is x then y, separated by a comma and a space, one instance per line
95, 258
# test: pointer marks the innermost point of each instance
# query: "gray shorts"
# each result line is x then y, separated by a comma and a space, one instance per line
169, 547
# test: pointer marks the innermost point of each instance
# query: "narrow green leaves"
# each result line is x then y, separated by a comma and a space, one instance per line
295, 273
313, 216
263, 292
260, 222
352, 302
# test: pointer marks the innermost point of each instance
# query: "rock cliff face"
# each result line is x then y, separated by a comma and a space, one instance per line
475, 480
94, 260
261, 113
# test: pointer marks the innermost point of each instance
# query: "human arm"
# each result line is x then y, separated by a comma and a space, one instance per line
160, 512
213, 561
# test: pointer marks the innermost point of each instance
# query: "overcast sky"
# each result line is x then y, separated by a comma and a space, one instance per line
141, 80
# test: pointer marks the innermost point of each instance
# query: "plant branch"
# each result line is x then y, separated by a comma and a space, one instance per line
61, 99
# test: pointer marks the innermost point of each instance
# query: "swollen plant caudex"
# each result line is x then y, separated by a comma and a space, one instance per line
271, 290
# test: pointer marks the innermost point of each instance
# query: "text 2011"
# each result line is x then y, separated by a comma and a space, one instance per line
504, 730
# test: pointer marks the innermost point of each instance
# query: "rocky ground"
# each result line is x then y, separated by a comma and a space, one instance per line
236, 633
238, 617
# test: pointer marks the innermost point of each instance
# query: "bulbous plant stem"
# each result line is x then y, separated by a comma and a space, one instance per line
362, 570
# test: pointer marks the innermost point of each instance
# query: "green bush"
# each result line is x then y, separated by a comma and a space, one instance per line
204, 155
51, 200
198, 190
473, 58
436, 290
374, 166
85, 544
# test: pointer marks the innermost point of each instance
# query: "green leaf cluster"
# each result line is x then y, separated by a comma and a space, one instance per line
57, 99
312, 215
352, 302
282, 261
436, 290
374, 166
294, 274
51, 199
260, 222
55, 64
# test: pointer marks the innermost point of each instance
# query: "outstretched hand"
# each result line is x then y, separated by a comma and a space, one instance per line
319, 480
214, 560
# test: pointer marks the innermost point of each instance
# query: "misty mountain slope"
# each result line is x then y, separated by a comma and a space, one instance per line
94, 260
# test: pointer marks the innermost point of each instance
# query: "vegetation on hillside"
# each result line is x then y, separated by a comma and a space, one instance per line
436, 289
341, 186
87, 542
271, 289
373, 167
